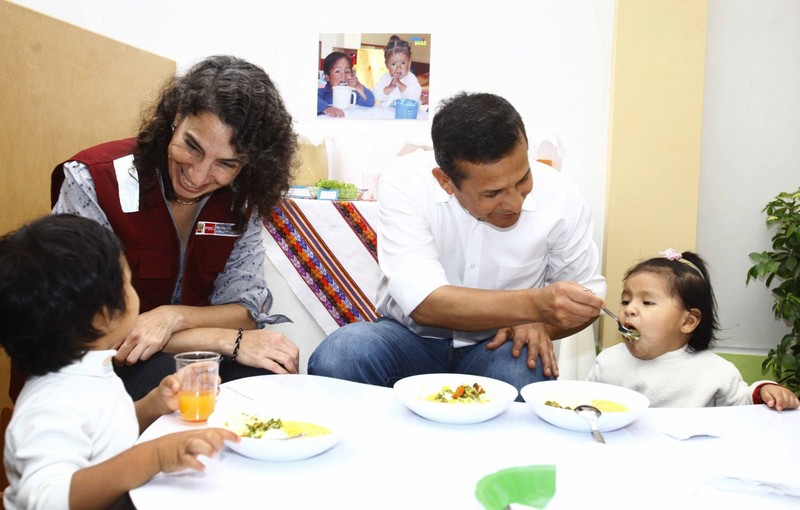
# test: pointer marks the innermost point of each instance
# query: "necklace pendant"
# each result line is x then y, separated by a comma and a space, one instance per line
185, 202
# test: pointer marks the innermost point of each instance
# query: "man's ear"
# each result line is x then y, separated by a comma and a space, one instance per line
443, 180
691, 320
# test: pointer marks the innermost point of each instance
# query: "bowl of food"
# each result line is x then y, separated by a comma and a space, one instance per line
555, 401
274, 438
455, 398
533, 486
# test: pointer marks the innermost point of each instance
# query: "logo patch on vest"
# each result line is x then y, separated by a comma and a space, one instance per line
212, 228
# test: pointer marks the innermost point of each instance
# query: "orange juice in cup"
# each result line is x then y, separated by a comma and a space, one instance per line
196, 405
198, 372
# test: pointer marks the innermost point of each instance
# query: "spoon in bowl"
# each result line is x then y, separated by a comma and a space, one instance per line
628, 334
301, 434
591, 413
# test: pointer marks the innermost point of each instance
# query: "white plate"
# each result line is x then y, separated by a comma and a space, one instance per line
414, 390
274, 449
575, 393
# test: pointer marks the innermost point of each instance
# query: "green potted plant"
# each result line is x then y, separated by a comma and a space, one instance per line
783, 263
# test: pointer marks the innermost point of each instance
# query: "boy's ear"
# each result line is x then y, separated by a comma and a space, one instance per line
691, 320
103, 321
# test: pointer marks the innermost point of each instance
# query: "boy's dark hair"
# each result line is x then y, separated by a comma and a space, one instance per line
331, 60
689, 281
476, 128
56, 274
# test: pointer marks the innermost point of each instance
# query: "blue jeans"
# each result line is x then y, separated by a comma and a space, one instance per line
385, 351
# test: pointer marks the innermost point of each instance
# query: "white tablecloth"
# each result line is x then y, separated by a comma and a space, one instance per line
326, 252
390, 458
375, 113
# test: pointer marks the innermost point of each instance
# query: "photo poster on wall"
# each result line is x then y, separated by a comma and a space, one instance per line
373, 76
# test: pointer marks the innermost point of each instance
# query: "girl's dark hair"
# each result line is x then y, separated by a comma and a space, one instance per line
331, 59
688, 280
56, 274
244, 98
477, 128
394, 46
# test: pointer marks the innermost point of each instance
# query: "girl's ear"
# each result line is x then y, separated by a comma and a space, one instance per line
691, 320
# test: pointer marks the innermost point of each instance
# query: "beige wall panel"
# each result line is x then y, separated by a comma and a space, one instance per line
654, 136
62, 89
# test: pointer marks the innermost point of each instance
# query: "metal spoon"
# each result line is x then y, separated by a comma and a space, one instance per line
629, 334
286, 438
591, 413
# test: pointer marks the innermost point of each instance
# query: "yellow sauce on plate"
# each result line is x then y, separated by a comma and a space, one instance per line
293, 428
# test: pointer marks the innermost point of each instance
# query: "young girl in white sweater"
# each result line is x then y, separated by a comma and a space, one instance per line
670, 302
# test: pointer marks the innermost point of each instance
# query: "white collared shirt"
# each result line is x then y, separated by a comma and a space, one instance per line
427, 240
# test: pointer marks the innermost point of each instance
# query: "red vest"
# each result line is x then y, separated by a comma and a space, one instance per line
151, 241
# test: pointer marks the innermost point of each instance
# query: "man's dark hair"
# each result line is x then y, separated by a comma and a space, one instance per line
476, 128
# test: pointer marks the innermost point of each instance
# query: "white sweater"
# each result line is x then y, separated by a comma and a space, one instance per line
680, 378
62, 422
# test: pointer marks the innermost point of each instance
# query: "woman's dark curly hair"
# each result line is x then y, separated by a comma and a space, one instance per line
477, 128
56, 274
244, 98
688, 280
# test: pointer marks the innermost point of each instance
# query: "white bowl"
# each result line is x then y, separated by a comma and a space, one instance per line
414, 390
575, 393
274, 449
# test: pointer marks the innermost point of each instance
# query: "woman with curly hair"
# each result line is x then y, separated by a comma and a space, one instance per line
186, 197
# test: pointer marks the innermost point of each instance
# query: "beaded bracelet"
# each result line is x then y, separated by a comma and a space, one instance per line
236, 347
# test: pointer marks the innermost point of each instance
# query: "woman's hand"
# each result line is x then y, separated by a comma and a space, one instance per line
332, 111
270, 350
152, 332
538, 341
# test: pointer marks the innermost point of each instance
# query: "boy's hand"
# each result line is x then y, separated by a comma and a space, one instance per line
779, 398
167, 394
179, 451
332, 111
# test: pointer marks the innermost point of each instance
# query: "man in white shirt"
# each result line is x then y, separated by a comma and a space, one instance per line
484, 257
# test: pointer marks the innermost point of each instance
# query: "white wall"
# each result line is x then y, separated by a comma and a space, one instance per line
550, 58
750, 153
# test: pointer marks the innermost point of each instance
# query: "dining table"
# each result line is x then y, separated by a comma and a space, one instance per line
387, 457
377, 112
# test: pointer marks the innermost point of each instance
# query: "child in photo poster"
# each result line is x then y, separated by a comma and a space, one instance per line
338, 70
399, 82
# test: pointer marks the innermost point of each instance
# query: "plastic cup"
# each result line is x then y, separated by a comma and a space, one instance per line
406, 109
198, 372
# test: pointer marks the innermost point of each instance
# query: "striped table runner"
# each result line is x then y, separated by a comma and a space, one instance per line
327, 251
